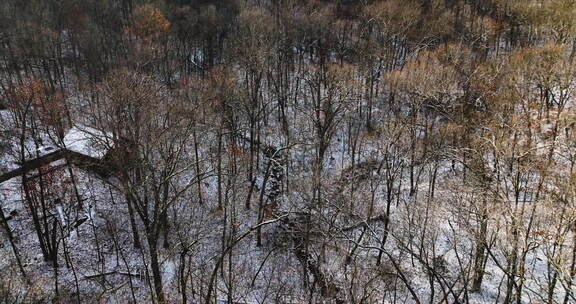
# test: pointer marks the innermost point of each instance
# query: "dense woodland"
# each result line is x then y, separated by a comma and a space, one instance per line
288, 151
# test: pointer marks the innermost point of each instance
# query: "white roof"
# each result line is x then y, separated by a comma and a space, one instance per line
87, 141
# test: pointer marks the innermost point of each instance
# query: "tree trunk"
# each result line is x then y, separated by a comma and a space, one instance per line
155, 265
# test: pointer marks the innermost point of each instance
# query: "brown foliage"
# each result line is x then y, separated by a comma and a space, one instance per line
149, 22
